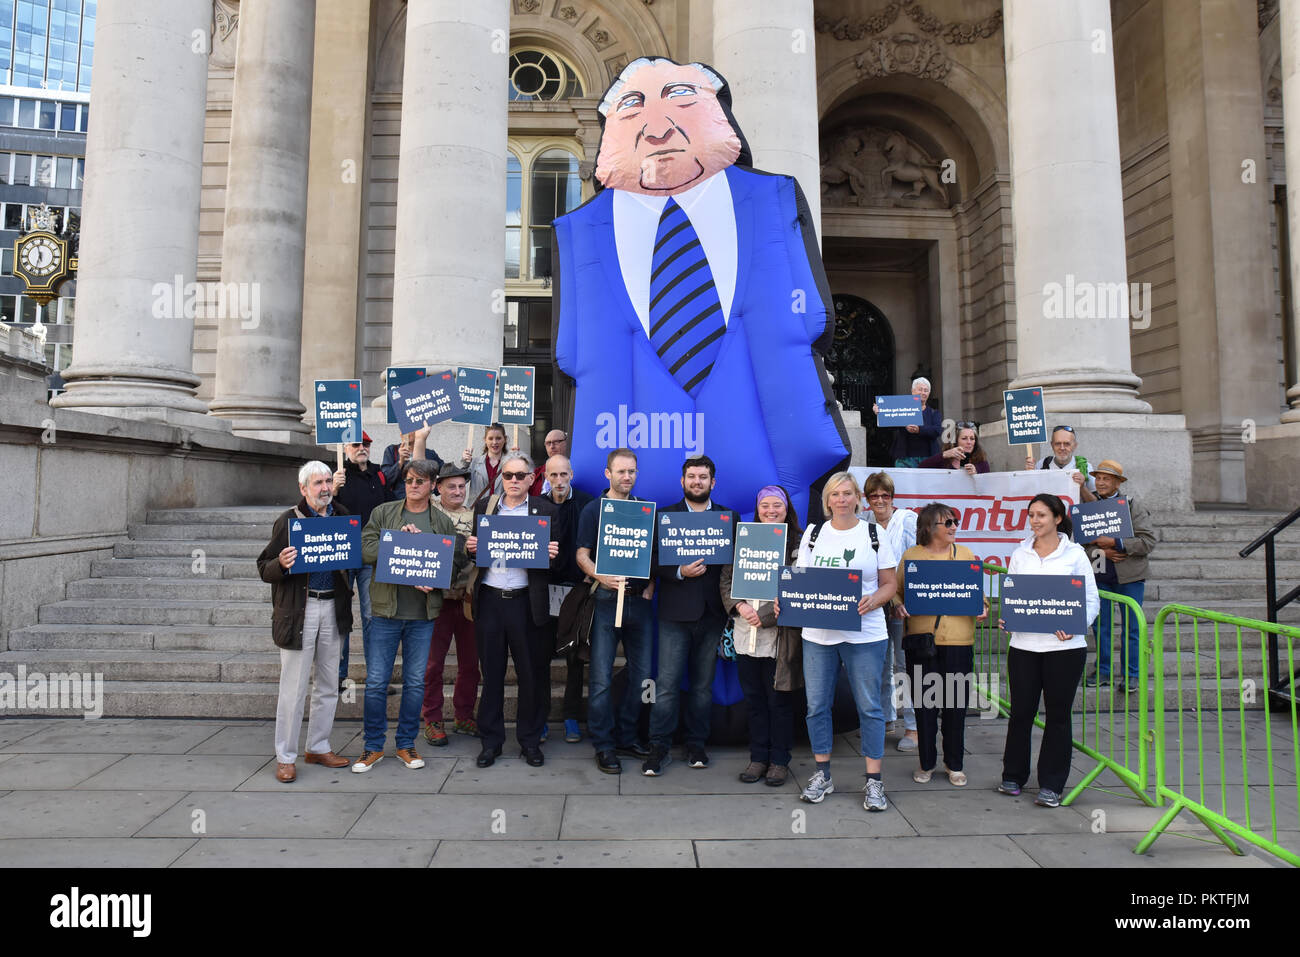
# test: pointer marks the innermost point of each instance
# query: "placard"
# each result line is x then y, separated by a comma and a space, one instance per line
398, 376
426, 401
1026, 418
338, 411
415, 558
325, 542
1108, 516
625, 538
477, 390
899, 411
516, 387
759, 555
687, 537
938, 587
513, 541
820, 598
1044, 604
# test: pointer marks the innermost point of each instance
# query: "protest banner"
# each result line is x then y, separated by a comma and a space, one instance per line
1044, 604
1026, 417
325, 543
687, 537
819, 598
1110, 516
415, 558
624, 542
759, 555
477, 389
338, 411
427, 401
513, 541
398, 376
516, 389
936, 587
899, 411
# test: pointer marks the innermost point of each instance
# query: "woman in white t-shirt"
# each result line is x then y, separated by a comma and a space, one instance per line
846, 542
1046, 665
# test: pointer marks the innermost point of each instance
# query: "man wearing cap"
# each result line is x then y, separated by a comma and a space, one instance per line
1064, 443
453, 624
1119, 566
359, 486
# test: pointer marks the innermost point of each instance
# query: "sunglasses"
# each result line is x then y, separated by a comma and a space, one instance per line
417, 481
968, 425
946, 523
1063, 428
878, 495
515, 476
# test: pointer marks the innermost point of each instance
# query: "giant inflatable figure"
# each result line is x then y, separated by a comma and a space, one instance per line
693, 306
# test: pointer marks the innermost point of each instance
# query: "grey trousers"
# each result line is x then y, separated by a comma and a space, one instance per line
318, 658
894, 690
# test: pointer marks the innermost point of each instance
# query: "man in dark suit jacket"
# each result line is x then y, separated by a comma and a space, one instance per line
691, 618
511, 607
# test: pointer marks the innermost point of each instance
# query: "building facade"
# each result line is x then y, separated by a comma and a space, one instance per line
1083, 195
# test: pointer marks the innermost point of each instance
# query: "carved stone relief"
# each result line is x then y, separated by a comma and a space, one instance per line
903, 53
225, 26
877, 166
959, 32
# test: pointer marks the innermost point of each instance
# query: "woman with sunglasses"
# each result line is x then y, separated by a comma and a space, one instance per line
941, 682
769, 660
1045, 665
965, 453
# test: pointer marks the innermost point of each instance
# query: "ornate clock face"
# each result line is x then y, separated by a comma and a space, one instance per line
41, 256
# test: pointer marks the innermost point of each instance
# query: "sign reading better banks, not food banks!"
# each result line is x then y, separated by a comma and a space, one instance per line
899, 411
516, 386
625, 538
338, 411
1026, 418
935, 587
1107, 516
513, 541
1045, 604
687, 537
820, 598
325, 543
478, 389
415, 558
760, 553
426, 401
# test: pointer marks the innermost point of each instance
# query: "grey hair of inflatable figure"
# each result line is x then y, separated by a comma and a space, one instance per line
615, 88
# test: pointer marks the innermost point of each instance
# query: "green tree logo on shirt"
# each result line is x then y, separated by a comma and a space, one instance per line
848, 554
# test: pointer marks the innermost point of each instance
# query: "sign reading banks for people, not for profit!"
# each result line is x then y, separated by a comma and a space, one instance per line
426, 401
625, 538
325, 543
478, 389
516, 386
759, 555
399, 376
819, 598
1107, 516
513, 541
899, 411
686, 537
415, 558
1026, 419
338, 411
1044, 604
932, 587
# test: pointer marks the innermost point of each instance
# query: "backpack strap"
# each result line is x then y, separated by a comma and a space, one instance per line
817, 530
875, 541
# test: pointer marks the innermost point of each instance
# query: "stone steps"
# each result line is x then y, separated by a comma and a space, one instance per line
193, 533
178, 567
225, 549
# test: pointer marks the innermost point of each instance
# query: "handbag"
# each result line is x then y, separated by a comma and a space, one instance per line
727, 643
573, 624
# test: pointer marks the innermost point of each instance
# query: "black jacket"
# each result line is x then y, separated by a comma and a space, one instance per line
539, 579
689, 599
567, 513
362, 491
289, 592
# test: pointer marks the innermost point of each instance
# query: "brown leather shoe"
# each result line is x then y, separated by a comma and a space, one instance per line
329, 759
285, 773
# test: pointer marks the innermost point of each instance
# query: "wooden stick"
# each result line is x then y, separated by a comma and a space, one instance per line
618, 608
1029, 450
469, 440
516, 433
340, 451
753, 636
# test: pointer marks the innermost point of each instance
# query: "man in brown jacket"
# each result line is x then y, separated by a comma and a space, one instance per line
309, 614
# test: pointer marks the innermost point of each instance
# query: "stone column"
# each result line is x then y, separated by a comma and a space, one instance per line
259, 344
1072, 334
139, 240
767, 52
1290, 34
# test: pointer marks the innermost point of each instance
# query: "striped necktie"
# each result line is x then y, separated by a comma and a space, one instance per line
686, 322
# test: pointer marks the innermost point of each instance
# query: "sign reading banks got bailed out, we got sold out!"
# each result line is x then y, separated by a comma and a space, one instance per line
513, 541
1106, 516
687, 537
1026, 418
415, 558
1044, 604
760, 553
338, 411
820, 598
325, 543
625, 538
426, 401
894, 411
934, 587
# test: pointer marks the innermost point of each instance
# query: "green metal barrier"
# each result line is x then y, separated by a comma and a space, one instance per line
1189, 792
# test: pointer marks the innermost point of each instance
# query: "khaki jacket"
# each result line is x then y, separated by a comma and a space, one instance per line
383, 595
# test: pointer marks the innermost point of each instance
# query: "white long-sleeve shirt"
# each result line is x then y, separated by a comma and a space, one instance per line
1068, 559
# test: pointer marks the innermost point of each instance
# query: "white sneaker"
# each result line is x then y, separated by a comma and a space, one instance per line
819, 785
875, 797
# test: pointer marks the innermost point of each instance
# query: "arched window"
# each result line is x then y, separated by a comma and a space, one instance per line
538, 76
514, 222
555, 190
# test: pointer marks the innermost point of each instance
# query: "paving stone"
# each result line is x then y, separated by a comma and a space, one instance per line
83, 813
121, 735
460, 817
978, 812
305, 852
281, 815
92, 852
252, 738
564, 854
995, 851
512, 775
389, 776
1089, 850
13, 730
187, 772
38, 772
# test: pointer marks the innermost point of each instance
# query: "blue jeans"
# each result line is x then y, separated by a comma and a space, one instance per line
364, 574
1128, 640
821, 668
386, 634
605, 728
690, 646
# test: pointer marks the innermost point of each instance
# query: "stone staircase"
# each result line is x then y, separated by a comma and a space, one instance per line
178, 621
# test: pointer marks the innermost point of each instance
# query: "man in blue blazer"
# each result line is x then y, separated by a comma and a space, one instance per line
693, 307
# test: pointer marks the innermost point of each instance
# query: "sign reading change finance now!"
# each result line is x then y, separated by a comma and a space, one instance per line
338, 411
760, 553
625, 538
478, 389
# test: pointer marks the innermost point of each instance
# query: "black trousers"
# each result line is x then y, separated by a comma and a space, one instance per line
771, 712
940, 688
543, 646
1053, 676
505, 625
574, 686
